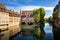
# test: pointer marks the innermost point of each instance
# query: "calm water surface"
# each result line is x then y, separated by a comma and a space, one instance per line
48, 34
48, 31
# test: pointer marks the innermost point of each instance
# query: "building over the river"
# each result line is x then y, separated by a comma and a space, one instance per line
26, 16
9, 20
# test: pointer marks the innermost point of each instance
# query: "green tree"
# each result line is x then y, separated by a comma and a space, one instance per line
55, 15
39, 14
50, 19
36, 15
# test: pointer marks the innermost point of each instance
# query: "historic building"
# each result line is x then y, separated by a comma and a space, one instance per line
56, 24
26, 16
57, 8
9, 20
4, 17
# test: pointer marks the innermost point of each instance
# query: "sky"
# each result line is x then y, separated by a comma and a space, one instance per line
18, 5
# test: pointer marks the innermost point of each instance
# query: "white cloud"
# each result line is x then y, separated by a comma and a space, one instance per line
30, 8
35, 7
49, 10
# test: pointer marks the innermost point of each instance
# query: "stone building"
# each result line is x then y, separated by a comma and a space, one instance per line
4, 17
57, 8
56, 24
26, 17
9, 20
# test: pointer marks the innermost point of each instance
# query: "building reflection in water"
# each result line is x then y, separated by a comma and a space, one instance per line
4, 35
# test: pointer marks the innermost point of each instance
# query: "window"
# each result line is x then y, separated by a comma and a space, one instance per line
1, 8
4, 9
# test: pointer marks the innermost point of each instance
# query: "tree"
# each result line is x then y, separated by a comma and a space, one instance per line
39, 14
55, 15
36, 15
50, 19
42, 14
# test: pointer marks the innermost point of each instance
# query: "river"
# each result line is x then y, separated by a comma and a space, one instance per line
48, 34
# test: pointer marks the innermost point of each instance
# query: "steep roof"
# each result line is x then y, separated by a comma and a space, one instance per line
11, 13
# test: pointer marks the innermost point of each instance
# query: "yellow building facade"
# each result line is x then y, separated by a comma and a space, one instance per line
9, 20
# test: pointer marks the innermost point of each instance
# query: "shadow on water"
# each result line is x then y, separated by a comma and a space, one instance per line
56, 30
56, 33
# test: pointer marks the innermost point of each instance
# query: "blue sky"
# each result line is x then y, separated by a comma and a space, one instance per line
16, 5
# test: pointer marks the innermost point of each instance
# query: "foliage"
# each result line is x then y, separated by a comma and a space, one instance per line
36, 15
55, 15
50, 20
39, 14
45, 19
37, 32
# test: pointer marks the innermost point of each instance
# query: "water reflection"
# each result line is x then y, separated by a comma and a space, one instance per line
36, 34
33, 34
4, 35
56, 32
49, 33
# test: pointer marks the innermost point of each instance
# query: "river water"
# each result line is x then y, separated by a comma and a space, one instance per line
48, 34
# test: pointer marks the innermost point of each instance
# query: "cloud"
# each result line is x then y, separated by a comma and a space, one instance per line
30, 8
49, 10
35, 7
